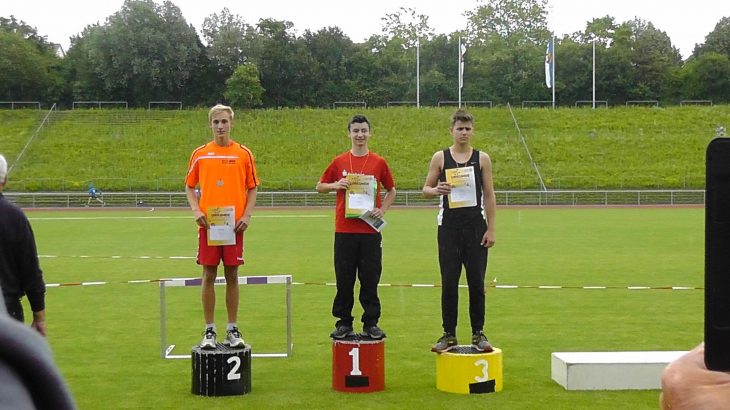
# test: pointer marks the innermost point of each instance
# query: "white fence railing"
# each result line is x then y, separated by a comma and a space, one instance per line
404, 198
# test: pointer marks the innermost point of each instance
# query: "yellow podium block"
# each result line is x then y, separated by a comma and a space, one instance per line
465, 370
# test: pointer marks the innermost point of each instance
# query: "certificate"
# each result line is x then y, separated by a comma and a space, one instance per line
360, 194
376, 223
463, 187
221, 224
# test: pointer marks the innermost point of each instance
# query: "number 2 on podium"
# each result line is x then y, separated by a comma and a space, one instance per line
355, 353
234, 374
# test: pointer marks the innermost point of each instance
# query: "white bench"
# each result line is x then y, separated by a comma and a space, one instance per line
610, 370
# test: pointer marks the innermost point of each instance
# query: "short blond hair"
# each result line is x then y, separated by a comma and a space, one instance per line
219, 108
3, 168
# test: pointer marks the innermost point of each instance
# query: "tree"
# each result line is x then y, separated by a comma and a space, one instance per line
718, 40
406, 27
439, 66
143, 52
26, 32
519, 21
244, 89
655, 60
707, 77
614, 70
281, 63
29, 67
22, 68
331, 52
575, 80
229, 40
506, 49
601, 30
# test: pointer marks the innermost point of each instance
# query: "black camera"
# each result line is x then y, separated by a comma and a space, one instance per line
717, 256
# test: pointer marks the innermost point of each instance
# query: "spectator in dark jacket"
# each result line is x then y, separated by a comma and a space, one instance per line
20, 273
29, 378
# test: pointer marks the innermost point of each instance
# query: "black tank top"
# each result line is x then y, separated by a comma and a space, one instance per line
467, 215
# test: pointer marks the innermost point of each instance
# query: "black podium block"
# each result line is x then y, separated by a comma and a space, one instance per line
223, 371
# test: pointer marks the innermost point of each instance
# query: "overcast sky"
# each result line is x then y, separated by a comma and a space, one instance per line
686, 25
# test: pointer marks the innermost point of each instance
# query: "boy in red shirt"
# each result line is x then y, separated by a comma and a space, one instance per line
358, 246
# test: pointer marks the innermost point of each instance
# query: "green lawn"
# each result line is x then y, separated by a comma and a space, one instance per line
106, 338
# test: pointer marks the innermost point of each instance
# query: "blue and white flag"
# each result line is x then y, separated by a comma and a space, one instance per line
549, 61
462, 51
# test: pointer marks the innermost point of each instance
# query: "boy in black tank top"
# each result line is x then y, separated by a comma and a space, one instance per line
462, 178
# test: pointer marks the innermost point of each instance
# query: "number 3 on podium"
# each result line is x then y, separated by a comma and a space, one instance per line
485, 370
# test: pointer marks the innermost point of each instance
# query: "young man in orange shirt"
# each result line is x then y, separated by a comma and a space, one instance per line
358, 247
225, 173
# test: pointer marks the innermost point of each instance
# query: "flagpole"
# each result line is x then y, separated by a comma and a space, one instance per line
552, 75
594, 73
418, 73
459, 73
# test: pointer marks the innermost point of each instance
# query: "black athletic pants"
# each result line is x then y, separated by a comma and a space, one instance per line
357, 256
461, 246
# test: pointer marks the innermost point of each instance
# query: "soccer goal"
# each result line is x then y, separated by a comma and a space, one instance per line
99, 104
584, 103
349, 104
537, 104
695, 102
264, 314
400, 104
164, 105
21, 104
466, 103
642, 103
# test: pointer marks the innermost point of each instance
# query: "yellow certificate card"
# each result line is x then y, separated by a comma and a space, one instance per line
360, 195
221, 222
463, 187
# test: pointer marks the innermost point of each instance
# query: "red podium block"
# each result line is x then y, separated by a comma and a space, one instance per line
358, 365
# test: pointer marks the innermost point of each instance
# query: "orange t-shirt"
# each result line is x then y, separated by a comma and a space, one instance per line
224, 174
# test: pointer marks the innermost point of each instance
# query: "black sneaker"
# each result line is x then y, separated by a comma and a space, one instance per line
479, 341
445, 343
342, 332
373, 332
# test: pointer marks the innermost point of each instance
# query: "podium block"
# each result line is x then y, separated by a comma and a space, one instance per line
466, 370
640, 370
223, 371
358, 365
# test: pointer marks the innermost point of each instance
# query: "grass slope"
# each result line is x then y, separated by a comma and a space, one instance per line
123, 150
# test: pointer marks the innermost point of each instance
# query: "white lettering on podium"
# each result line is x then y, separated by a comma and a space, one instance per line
485, 370
233, 374
355, 353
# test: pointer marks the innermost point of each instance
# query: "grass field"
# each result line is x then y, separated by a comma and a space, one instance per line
106, 338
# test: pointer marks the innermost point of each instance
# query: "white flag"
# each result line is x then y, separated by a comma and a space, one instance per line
462, 51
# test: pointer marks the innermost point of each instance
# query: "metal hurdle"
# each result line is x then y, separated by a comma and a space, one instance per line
166, 350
